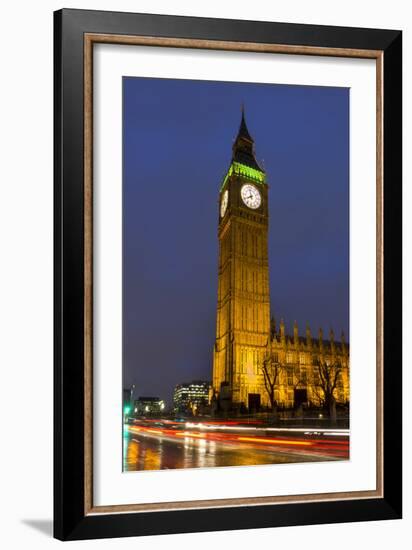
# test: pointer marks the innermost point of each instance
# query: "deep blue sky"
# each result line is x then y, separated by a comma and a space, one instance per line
178, 136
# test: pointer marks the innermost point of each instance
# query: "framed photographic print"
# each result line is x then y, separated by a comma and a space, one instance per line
227, 274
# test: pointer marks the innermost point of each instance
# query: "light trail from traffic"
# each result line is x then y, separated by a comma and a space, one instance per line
168, 443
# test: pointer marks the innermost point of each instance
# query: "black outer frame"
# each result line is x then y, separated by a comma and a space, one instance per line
70, 522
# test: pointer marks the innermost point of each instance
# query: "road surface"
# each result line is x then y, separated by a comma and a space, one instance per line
156, 444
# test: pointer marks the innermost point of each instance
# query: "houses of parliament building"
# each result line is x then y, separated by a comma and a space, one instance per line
246, 336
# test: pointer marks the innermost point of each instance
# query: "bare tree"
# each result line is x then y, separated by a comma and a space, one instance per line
328, 380
271, 369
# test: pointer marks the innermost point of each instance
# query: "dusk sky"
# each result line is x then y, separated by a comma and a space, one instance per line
178, 137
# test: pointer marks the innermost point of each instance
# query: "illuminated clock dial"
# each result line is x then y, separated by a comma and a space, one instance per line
250, 196
223, 204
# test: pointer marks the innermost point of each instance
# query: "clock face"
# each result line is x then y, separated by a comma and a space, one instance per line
251, 196
223, 204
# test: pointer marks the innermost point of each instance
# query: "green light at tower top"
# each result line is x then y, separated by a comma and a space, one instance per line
248, 172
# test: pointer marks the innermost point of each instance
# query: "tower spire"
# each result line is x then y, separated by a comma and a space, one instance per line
243, 129
244, 145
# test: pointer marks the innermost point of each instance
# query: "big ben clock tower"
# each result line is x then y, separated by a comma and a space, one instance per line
243, 307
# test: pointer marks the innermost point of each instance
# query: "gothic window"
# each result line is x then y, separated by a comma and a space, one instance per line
303, 375
289, 372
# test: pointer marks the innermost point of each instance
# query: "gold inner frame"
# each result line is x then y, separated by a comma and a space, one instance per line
89, 40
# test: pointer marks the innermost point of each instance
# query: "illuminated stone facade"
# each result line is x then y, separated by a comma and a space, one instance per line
300, 376
245, 335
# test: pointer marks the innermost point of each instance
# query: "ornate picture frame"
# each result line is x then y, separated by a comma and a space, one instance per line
76, 34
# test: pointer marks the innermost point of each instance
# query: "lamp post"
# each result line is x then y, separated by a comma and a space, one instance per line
126, 412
